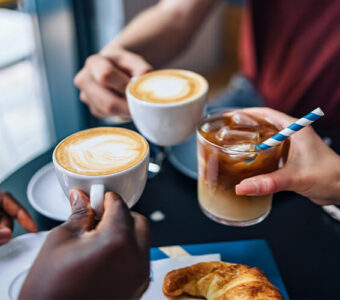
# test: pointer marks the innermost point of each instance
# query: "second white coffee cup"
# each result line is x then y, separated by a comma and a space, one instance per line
168, 123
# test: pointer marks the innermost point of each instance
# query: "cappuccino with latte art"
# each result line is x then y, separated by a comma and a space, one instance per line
168, 86
103, 159
101, 151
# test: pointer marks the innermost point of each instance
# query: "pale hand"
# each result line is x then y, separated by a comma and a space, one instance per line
312, 169
103, 80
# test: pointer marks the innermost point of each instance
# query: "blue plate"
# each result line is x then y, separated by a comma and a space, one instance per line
254, 253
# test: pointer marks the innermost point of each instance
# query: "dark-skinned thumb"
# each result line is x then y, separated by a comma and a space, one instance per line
82, 217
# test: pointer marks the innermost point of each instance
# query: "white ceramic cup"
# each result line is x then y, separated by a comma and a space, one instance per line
167, 124
129, 183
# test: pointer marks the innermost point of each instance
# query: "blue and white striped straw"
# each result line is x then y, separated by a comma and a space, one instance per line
291, 129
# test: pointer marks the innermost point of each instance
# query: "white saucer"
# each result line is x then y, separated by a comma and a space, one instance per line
46, 196
16, 258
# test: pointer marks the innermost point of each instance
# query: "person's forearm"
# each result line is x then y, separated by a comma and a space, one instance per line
163, 31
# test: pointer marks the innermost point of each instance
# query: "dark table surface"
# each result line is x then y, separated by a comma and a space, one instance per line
305, 241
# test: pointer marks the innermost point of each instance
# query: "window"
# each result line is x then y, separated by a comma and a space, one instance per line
23, 123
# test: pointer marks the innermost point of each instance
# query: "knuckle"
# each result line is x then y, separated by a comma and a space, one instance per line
90, 60
263, 186
274, 184
138, 57
80, 212
117, 54
268, 109
105, 75
112, 107
96, 113
308, 130
83, 97
93, 111
121, 85
78, 79
270, 185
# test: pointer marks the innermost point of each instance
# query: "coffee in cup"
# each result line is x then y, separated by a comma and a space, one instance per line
226, 156
166, 105
168, 86
101, 151
104, 158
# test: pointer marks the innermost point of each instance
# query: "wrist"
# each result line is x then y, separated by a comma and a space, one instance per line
111, 49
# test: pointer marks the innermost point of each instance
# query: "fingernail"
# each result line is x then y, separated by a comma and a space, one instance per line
248, 180
247, 187
74, 197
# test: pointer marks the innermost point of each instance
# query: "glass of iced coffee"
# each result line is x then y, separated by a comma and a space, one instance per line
226, 156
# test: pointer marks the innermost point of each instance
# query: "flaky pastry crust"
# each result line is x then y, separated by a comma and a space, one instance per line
220, 281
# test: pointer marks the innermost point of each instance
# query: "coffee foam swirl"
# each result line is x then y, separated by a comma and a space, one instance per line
101, 151
167, 86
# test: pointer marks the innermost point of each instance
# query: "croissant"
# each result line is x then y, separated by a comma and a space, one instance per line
220, 281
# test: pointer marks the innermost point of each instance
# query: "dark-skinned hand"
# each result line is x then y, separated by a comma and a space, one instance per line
11, 209
84, 260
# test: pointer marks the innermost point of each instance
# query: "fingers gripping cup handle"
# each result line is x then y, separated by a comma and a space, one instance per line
97, 198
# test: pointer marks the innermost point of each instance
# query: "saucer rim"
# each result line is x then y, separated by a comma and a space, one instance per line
184, 169
28, 239
31, 199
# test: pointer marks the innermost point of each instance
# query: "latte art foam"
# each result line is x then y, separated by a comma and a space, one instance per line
167, 86
101, 151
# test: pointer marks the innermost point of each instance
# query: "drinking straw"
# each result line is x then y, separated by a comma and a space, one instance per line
291, 129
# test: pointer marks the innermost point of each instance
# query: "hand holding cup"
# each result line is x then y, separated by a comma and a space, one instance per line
82, 259
312, 169
104, 77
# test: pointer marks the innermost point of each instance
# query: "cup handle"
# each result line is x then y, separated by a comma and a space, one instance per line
97, 198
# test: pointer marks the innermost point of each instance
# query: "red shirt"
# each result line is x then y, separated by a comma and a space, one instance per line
290, 50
